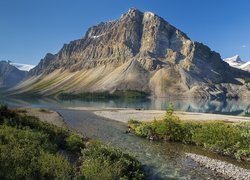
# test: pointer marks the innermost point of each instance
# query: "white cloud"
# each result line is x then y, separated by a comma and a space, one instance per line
243, 46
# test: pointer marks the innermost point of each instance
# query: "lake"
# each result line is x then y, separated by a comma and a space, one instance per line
231, 107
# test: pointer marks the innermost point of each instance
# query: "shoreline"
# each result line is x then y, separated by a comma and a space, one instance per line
126, 114
44, 115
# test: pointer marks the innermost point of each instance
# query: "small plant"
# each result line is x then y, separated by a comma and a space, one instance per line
74, 143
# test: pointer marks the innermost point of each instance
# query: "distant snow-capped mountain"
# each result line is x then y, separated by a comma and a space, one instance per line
245, 66
236, 62
23, 67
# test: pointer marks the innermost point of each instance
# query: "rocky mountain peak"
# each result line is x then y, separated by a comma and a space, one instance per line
237, 58
139, 51
131, 13
234, 59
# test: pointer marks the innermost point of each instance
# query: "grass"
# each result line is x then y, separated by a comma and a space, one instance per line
32, 149
231, 139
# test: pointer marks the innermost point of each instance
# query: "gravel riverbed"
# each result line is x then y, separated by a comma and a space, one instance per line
224, 169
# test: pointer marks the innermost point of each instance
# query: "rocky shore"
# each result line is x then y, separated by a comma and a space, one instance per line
223, 169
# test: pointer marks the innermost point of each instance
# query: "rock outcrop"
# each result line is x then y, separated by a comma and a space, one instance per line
10, 75
139, 51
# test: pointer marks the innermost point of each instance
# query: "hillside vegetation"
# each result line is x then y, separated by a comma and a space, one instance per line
32, 149
125, 94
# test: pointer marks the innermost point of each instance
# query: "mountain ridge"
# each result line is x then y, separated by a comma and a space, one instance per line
10, 75
140, 51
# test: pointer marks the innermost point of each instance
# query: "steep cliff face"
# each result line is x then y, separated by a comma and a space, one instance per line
10, 75
139, 51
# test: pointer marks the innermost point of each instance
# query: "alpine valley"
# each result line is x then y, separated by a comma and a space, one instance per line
139, 51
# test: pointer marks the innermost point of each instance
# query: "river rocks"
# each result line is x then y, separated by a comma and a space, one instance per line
224, 169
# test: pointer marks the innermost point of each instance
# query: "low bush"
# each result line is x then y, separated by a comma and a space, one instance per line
74, 143
23, 154
225, 138
101, 161
217, 136
54, 166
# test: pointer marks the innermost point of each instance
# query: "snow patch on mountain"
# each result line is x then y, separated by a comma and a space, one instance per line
23, 67
245, 65
236, 62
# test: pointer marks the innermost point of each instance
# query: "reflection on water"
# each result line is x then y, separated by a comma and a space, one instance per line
233, 107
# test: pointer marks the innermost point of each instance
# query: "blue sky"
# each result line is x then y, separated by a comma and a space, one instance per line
30, 28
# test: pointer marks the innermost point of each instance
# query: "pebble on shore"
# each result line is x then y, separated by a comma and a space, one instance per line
225, 169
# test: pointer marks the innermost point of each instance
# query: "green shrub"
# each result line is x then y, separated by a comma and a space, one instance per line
226, 138
20, 152
217, 136
54, 166
243, 145
18, 161
188, 129
74, 143
56, 135
100, 169
101, 160
174, 128
28, 148
143, 130
24, 137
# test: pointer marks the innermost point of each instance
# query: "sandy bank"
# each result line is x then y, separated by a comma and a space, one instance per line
44, 115
124, 115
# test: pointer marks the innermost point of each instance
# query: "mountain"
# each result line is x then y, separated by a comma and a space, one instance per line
246, 66
140, 51
10, 75
23, 67
236, 62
